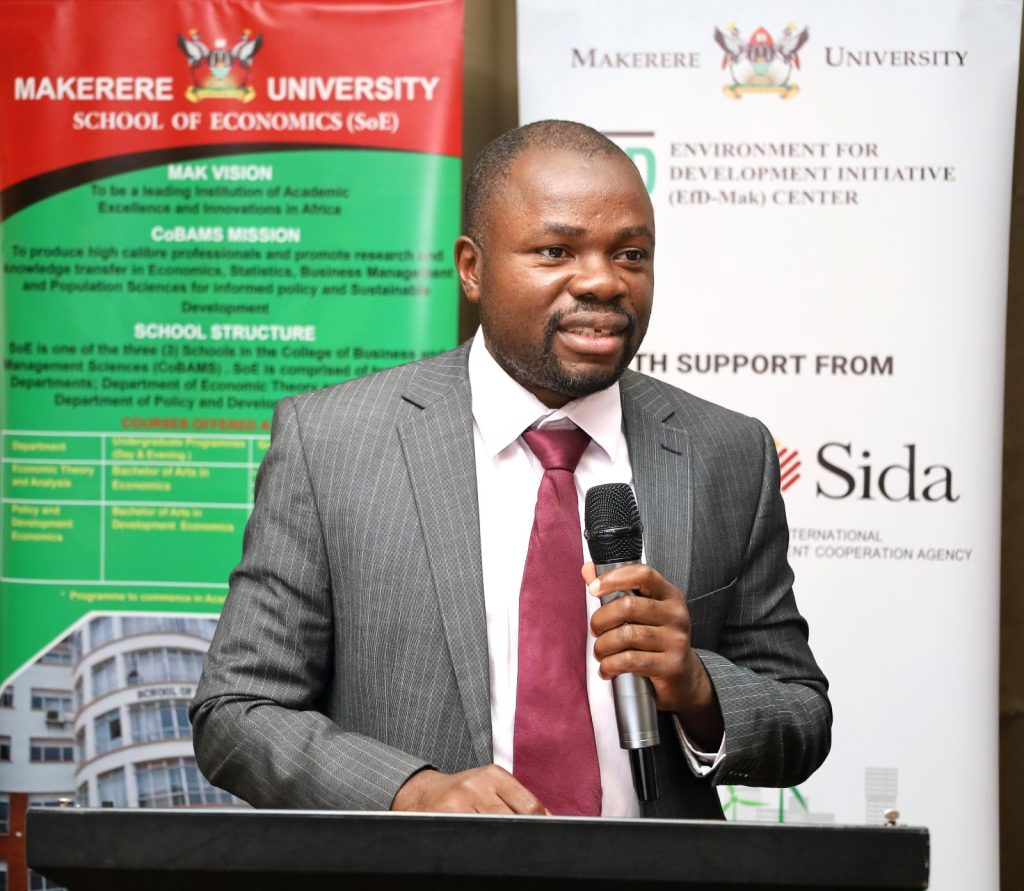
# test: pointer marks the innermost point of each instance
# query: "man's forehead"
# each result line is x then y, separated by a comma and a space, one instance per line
640, 230
545, 176
536, 159
542, 173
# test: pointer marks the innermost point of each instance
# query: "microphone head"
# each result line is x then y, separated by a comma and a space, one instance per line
614, 532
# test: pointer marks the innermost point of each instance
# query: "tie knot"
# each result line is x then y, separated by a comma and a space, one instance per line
557, 449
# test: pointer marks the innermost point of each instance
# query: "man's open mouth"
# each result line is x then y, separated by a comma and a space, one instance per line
595, 326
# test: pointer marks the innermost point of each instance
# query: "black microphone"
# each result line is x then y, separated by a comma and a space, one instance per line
614, 536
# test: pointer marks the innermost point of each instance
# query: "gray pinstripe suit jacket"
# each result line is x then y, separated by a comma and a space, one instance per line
352, 650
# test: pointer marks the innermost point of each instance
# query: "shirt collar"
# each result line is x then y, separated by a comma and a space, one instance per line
503, 408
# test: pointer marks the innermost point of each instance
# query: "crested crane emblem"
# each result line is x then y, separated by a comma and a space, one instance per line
762, 64
219, 72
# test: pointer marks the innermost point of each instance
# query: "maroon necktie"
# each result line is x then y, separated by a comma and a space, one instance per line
553, 751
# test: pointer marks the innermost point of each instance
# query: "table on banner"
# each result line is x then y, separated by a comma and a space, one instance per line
163, 508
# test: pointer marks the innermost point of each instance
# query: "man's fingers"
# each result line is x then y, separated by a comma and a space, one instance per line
497, 791
635, 610
518, 798
634, 577
646, 638
481, 790
494, 805
649, 665
647, 633
588, 571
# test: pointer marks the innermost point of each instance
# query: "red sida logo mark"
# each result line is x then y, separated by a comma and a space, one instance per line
789, 466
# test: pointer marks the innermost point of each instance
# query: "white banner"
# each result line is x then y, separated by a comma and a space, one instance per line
831, 183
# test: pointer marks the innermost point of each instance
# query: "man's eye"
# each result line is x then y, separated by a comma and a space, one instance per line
633, 255
552, 253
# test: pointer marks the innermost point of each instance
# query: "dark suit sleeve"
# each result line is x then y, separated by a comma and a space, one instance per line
772, 694
258, 729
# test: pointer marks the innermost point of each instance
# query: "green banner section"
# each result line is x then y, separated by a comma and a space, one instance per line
152, 320
42, 613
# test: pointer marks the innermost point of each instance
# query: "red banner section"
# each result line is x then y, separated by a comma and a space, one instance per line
102, 79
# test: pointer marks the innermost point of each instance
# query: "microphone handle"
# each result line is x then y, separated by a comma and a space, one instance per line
635, 713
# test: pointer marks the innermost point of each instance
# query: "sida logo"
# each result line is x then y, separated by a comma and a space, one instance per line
867, 478
847, 473
220, 73
789, 466
762, 64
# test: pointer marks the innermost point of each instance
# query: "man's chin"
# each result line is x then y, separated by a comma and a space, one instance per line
549, 376
576, 382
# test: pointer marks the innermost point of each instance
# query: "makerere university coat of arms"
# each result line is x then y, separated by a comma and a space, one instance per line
762, 64
220, 73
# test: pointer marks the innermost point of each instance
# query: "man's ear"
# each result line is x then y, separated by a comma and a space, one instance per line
468, 260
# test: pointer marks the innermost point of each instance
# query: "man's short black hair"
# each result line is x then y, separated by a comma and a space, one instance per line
491, 167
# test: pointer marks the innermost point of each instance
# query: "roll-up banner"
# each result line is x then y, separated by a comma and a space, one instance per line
831, 184
206, 206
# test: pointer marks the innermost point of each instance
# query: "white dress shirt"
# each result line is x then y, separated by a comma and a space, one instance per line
508, 477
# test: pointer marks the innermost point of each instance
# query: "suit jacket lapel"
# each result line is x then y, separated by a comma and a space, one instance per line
438, 446
659, 452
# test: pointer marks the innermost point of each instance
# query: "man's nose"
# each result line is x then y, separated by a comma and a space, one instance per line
596, 276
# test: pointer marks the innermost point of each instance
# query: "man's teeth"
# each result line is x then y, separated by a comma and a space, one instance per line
592, 332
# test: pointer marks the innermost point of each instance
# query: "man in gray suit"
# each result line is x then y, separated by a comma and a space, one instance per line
361, 661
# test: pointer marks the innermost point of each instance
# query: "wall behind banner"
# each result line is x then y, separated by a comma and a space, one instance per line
493, 30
